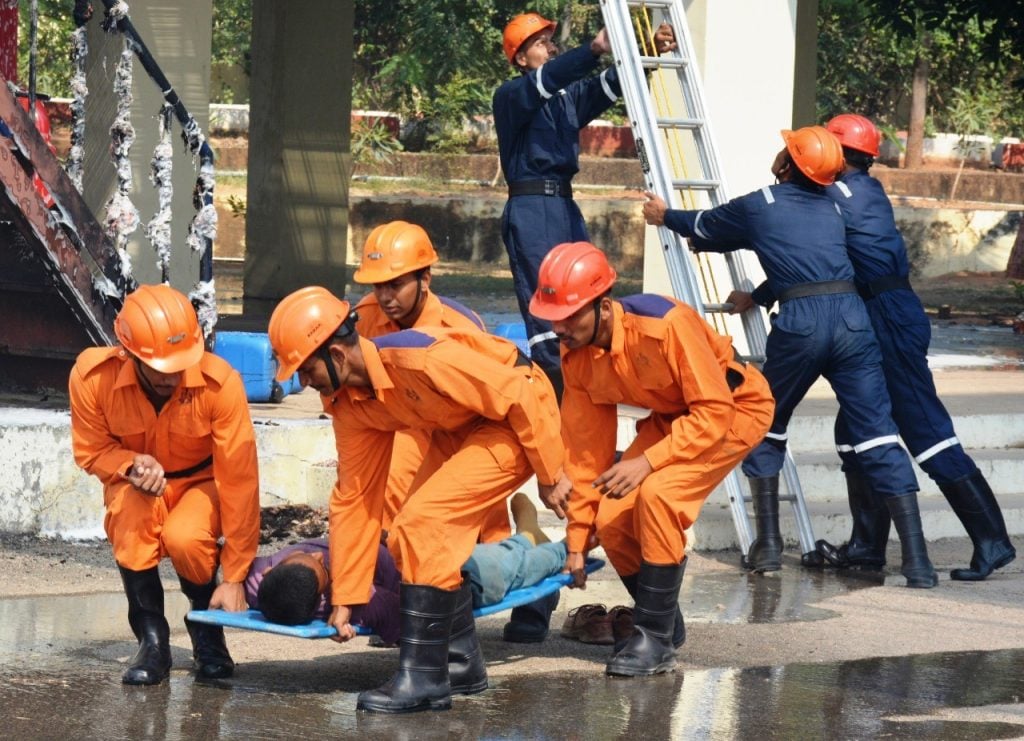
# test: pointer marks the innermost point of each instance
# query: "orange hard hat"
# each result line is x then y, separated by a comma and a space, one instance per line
158, 325
816, 152
520, 28
301, 323
571, 276
394, 249
856, 132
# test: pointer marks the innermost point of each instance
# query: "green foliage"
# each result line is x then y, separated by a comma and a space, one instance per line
373, 143
232, 33
53, 47
866, 51
1018, 290
238, 206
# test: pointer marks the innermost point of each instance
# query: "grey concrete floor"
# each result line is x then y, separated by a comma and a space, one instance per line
796, 654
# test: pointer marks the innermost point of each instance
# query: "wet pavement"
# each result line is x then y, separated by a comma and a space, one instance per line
61, 657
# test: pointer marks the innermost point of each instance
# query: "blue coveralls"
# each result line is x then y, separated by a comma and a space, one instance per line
538, 117
798, 235
879, 256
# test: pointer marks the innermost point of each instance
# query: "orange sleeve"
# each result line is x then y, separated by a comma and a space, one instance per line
699, 373
96, 449
236, 474
357, 504
589, 432
496, 391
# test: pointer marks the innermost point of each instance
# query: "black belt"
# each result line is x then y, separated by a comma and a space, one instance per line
881, 285
186, 472
824, 288
558, 188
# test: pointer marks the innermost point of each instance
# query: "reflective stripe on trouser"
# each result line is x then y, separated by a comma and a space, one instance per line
463, 476
904, 332
183, 524
647, 524
407, 454
831, 336
530, 227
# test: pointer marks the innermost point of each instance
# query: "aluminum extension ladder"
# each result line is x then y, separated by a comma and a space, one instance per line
672, 131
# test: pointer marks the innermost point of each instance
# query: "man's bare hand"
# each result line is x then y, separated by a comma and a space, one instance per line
601, 44
741, 301
664, 38
623, 477
574, 565
147, 475
654, 209
556, 496
229, 596
340, 617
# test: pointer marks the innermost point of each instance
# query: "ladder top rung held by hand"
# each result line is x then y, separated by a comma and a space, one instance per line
649, 3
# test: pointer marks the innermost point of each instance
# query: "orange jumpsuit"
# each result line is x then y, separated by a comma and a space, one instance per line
411, 445
112, 420
665, 358
492, 424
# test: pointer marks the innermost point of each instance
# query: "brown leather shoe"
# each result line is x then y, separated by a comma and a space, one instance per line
589, 624
621, 619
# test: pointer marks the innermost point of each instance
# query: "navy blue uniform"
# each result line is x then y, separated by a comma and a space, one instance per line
799, 237
538, 117
879, 258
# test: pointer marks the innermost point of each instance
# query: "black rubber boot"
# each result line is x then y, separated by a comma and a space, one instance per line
765, 552
871, 523
678, 630
974, 503
530, 623
467, 672
145, 593
210, 657
421, 682
917, 567
650, 650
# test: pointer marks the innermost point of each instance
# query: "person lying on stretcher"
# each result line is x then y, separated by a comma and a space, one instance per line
291, 587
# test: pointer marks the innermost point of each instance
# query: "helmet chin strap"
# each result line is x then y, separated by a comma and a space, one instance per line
325, 355
597, 320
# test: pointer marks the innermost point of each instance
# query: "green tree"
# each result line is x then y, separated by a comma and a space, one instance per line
990, 30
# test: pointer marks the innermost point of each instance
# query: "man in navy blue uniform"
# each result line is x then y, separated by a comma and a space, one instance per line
822, 329
538, 117
881, 268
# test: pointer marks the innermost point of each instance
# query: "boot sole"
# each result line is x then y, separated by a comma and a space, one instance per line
663, 668
471, 689
439, 704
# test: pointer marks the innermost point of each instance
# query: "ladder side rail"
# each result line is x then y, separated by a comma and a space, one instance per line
648, 141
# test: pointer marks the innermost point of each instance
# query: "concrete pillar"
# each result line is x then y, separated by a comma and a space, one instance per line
177, 33
299, 159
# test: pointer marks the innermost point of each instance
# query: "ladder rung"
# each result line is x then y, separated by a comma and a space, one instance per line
719, 308
649, 3
663, 62
695, 184
679, 123
756, 358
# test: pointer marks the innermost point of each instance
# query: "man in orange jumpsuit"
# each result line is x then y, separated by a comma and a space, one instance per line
493, 421
708, 410
396, 262
165, 427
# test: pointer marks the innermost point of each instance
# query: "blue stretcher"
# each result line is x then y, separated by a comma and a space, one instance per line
254, 620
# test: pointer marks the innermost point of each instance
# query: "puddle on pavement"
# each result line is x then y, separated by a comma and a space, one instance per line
778, 597
61, 657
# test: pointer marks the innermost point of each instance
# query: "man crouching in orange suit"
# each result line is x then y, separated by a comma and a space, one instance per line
493, 421
166, 428
708, 410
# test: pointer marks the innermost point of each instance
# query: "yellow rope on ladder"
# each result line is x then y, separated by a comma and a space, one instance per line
674, 145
